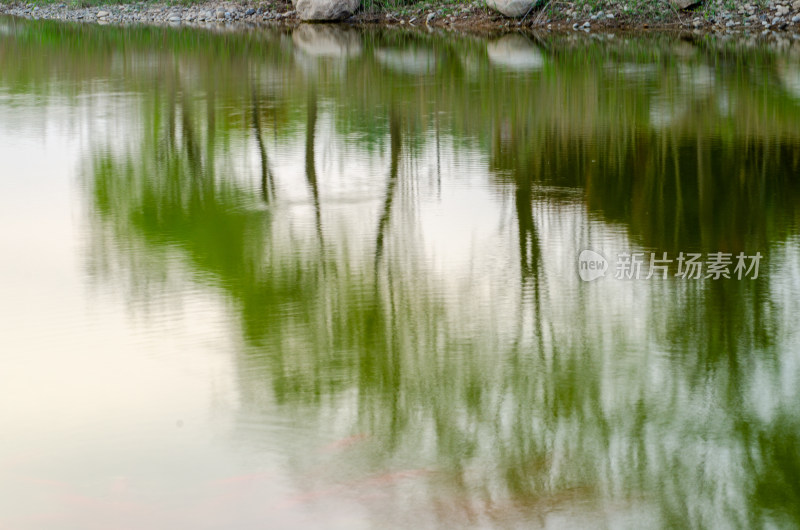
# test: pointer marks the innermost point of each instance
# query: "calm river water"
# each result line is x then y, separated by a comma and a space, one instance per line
330, 279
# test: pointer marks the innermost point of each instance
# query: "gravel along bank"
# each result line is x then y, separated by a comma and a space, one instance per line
724, 16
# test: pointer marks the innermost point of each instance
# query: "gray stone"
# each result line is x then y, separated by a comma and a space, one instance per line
684, 4
796, 19
512, 8
103, 14
320, 10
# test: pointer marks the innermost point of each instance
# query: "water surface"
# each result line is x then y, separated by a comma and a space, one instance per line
329, 279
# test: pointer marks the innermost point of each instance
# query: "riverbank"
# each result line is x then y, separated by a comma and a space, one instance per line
715, 16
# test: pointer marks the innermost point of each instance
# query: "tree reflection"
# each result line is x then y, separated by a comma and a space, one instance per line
640, 398
267, 185
391, 184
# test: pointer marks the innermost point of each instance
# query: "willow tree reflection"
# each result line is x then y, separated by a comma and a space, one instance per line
635, 398
680, 189
267, 184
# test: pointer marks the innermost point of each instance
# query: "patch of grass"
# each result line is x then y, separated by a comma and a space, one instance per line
711, 10
412, 7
